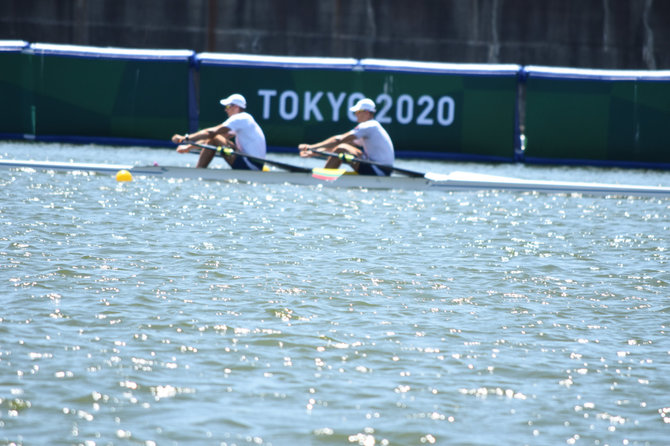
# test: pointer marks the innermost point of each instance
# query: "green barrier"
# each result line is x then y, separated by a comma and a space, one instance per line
596, 116
109, 93
15, 89
447, 110
433, 110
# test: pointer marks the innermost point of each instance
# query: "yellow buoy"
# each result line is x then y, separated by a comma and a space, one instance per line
124, 175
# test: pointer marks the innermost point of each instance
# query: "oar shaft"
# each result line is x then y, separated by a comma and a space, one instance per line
349, 158
231, 151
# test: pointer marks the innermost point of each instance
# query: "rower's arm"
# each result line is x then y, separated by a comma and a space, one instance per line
331, 143
207, 133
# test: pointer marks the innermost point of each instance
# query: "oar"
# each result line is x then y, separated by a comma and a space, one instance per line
230, 151
349, 158
321, 174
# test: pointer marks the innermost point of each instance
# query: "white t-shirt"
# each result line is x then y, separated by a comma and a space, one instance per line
376, 142
249, 137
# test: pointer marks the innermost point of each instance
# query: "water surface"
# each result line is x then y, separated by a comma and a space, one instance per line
192, 312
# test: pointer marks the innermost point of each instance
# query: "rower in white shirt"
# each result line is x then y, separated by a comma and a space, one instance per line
368, 141
240, 132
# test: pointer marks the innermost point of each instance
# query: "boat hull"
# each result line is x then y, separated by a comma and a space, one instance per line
454, 181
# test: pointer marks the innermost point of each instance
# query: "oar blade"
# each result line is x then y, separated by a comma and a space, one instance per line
325, 174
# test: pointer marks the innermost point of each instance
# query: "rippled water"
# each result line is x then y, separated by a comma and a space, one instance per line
192, 312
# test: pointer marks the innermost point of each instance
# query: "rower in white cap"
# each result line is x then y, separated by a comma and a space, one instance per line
368, 141
240, 132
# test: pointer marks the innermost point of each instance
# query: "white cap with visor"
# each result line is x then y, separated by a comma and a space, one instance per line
364, 104
234, 99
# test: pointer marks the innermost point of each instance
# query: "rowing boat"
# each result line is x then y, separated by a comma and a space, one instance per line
455, 181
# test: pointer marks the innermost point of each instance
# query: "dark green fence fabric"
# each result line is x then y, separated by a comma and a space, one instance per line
15, 89
597, 116
100, 93
447, 110
433, 110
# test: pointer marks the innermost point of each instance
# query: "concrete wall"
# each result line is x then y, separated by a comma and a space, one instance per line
621, 34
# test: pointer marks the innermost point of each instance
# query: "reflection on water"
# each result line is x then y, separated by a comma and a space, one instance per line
189, 312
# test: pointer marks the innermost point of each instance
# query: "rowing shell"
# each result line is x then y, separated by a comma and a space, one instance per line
454, 181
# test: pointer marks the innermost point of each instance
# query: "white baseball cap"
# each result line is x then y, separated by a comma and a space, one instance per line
364, 104
234, 99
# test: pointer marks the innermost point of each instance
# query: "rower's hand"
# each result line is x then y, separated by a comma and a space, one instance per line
184, 148
178, 139
305, 151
